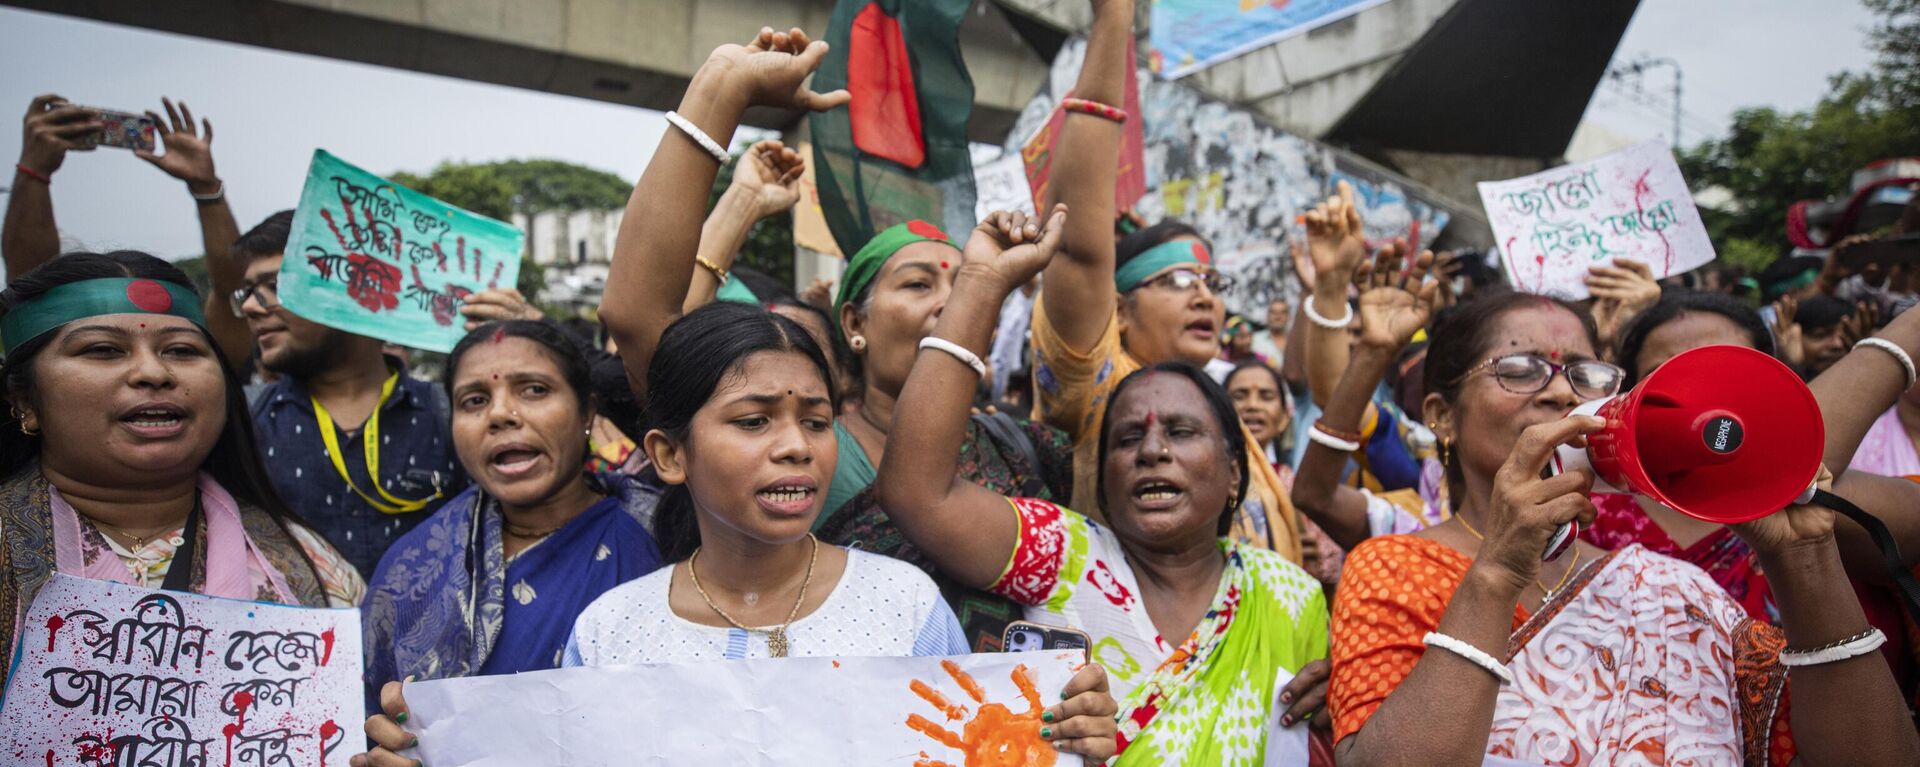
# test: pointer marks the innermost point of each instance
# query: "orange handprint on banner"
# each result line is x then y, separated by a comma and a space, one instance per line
996, 736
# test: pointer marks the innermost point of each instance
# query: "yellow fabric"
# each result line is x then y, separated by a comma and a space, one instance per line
1070, 394
327, 436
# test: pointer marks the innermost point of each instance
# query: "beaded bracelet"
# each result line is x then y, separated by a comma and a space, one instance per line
32, 174
1095, 108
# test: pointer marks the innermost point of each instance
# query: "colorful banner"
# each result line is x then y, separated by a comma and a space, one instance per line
1190, 35
967, 710
1552, 226
113, 674
1037, 152
371, 257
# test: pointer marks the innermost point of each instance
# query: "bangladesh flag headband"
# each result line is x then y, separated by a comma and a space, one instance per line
1158, 257
93, 298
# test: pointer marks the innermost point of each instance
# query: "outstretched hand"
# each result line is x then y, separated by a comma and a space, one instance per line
1621, 292
1786, 332
772, 70
1012, 248
189, 154
52, 128
1395, 305
1336, 242
770, 172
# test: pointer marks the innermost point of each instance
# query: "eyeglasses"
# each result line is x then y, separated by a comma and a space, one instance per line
267, 291
1182, 280
1530, 374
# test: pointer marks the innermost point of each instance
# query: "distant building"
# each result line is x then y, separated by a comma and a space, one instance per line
573, 249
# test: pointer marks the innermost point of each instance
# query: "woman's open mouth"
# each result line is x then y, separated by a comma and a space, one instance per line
788, 497
514, 460
155, 421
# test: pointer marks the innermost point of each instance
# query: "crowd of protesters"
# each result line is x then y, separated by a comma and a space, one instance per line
1329, 516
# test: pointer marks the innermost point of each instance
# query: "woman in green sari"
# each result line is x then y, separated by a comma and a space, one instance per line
1203, 637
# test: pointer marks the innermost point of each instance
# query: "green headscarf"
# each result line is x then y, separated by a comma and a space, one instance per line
866, 263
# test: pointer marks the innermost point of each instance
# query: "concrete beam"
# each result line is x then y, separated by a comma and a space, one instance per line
635, 52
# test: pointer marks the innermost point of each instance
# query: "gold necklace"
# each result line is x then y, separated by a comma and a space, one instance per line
777, 638
1564, 577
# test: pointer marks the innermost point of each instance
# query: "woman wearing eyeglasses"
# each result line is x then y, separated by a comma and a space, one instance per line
1461, 633
1107, 310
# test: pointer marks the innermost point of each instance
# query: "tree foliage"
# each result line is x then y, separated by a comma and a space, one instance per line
501, 189
1770, 159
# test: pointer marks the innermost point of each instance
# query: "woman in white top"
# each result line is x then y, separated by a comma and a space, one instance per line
741, 405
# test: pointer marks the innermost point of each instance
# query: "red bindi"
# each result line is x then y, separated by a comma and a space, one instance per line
943, 264
1151, 417
499, 334
1553, 355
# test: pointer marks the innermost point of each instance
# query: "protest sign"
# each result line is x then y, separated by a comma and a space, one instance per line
809, 222
929, 712
1187, 36
1037, 152
113, 674
1002, 185
371, 257
1552, 226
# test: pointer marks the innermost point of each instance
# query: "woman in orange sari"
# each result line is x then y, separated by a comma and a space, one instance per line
1458, 645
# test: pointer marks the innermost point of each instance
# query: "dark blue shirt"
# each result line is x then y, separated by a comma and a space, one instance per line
416, 460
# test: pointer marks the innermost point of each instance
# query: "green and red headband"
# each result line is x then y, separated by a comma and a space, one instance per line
1158, 257
94, 298
865, 265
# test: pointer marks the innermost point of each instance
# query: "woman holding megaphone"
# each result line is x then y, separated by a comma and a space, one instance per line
1461, 634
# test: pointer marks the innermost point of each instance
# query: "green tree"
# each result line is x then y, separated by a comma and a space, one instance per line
501, 189
1770, 159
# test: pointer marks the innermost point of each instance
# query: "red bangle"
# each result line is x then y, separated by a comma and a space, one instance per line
1094, 108
32, 174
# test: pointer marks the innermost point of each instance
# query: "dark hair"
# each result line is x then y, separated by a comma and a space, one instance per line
235, 460
267, 238
1131, 246
696, 354
836, 346
564, 348
1461, 337
1783, 270
1820, 313
1670, 307
1223, 414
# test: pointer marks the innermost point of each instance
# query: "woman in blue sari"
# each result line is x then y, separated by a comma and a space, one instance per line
492, 583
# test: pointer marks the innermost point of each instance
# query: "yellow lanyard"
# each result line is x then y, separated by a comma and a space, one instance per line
393, 505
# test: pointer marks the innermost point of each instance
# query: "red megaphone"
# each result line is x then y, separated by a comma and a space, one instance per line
1726, 434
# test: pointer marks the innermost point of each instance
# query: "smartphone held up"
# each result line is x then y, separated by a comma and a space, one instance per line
120, 130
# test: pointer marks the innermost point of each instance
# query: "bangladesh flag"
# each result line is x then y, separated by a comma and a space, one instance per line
899, 151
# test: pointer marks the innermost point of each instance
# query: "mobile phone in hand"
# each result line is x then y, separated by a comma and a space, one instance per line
121, 130
1027, 636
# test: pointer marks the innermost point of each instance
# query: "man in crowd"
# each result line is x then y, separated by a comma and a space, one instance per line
352, 441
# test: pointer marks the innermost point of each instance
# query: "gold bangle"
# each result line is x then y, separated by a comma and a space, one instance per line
718, 273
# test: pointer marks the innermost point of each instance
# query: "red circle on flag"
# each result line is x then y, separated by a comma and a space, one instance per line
926, 230
149, 296
1200, 253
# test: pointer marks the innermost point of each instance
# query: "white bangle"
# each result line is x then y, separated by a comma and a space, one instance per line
1471, 653
699, 137
1898, 354
1328, 440
1854, 647
214, 196
959, 352
1315, 318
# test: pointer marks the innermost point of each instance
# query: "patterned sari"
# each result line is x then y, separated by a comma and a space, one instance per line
1642, 659
447, 602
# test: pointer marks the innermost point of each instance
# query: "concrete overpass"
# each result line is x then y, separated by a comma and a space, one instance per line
635, 52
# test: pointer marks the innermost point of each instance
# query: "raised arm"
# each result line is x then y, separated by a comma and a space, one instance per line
653, 256
51, 128
966, 529
189, 158
766, 183
1393, 308
1079, 297
1337, 245
1861, 386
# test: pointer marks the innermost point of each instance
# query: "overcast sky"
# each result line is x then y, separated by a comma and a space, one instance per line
271, 109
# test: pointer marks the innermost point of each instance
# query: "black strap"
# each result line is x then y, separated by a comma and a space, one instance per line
180, 572
1889, 548
1005, 429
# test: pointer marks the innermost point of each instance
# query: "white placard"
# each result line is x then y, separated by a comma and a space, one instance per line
1001, 185
785, 711
113, 674
1552, 226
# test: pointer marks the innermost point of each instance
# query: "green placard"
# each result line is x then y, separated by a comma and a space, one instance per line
369, 256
